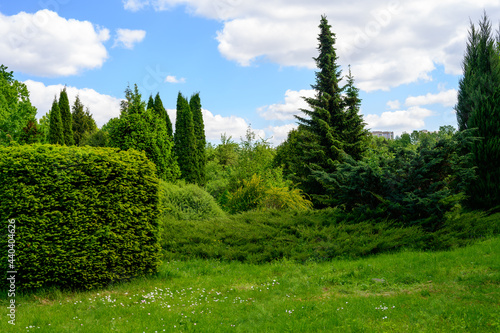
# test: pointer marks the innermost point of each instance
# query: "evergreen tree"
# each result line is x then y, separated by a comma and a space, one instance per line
83, 123
478, 109
31, 134
142, 129
151, 103
184, 140
355, 135
66, 118
56, 134
325, 121
199, 133
158, 105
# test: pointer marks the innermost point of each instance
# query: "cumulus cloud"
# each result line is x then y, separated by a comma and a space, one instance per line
446, 98
294, 101
278, 134
103, 107
385, 42
135, 5
173, 79
399, 121
46, 44
127, 38
393, 105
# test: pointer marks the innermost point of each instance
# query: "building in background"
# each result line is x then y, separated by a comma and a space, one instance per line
386, 134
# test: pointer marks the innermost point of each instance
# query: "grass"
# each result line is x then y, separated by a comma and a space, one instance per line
409, 291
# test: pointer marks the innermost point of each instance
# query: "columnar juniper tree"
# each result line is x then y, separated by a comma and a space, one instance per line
478, 109
199, 133
56, 135
184, 140
66, 118
160, 110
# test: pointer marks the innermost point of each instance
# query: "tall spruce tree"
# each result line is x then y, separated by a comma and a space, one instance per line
478, 109
185, 141
325, 120
56, 134
355, 134
83, 123
199, 133
160, 109
66, 118
151, 103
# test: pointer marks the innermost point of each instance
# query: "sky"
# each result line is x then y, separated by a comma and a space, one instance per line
251, 61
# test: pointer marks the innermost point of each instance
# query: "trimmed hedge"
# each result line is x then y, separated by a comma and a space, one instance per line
84, 216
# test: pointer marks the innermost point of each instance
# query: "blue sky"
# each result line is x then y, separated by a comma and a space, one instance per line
250, 61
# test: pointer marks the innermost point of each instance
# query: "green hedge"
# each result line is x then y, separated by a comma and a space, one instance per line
84, 217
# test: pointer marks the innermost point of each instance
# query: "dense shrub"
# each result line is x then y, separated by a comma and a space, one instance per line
257, 194
187, 202
319, 235
84, 217
413, 186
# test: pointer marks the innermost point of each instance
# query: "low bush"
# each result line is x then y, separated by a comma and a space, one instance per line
187, 202
84, 217
319, 235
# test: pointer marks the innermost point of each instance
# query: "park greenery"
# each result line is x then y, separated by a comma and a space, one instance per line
142, 203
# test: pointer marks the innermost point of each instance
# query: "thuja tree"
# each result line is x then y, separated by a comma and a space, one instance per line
478, 108
185, 141
199, 134
56, 134
67, 122
142, 129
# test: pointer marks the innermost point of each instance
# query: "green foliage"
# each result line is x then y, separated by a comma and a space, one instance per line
84, 124
84, 217
317, 235
199, 134
257, 194
66, 118
187, 202
56, 132
158, 106
142, 129
185, 141
478, 108
15, 107
411, 186
31, 133
333, 124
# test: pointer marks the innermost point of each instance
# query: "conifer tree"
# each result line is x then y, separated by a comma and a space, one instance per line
66, 118
83, 122
151, 103
56, 135
355, 134
158, 105
199, 133
478, 109
184, 140
142, 129
325, 120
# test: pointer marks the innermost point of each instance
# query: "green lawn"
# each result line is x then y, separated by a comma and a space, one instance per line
454, 291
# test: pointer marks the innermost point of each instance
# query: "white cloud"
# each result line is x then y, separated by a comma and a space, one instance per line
46, 44
103, 107
294, 101
387, 43
127, 38
278, 134
393, 105
399, 121
446, 98
135, 5
173, 79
